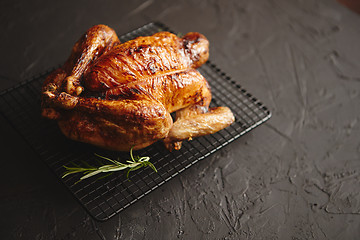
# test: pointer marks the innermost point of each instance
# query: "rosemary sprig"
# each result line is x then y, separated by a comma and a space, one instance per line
133, 164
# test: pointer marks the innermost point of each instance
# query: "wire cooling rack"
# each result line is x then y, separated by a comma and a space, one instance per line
103, 198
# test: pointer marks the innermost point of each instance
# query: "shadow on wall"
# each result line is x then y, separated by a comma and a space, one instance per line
351, 4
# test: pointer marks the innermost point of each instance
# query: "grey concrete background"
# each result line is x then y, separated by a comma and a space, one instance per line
295, 177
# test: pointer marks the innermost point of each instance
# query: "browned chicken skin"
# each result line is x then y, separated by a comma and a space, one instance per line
120, 96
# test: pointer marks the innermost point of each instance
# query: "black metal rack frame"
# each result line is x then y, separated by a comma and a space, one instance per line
103, 198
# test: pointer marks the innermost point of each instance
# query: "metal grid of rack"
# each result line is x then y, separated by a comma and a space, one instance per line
103, 198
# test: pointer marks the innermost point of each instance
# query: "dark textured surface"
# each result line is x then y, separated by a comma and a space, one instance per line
295, 177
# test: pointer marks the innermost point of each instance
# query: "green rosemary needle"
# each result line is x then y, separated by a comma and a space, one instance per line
133, 164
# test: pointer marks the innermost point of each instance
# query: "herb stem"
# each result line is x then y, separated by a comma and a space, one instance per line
133, 164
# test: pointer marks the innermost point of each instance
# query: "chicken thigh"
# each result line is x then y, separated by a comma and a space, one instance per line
120, 95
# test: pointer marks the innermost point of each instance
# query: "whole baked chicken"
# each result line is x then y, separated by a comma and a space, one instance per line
120, 95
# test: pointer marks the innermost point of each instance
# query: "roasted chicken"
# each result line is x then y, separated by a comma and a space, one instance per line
120, 95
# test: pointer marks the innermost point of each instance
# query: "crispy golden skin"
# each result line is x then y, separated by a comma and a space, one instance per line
119, 96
